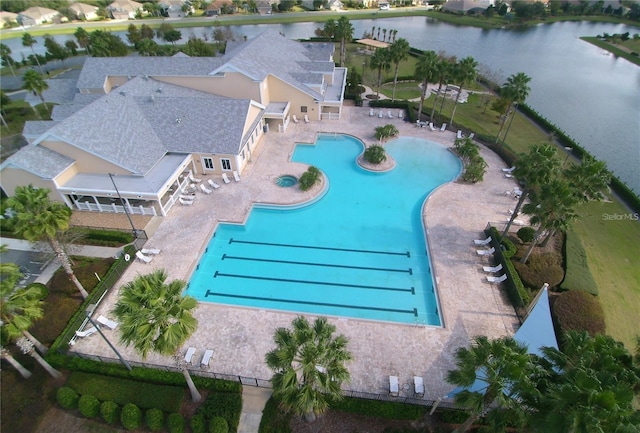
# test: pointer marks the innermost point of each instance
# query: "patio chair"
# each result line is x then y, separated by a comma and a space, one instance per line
371, 112
482, 241
142, 257
193, 179
204, 189
189, 197
206, 358
150, 251
87, 332
236, 176
189, 355
472, 135
184, 202
431, 127
111, 324
306, 118
496, 280
418, 385
225, 178
295, 119
443, 127
401, 114
389, 115
492, 269
393, 385
213, 184
508, 175
380, 114
459, 136
488, 252
509, 170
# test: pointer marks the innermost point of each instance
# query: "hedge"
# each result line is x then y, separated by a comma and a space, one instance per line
110, 412
198, 424
131, 416
154, 418
123, 391
175, 423
380, 409
67, 397
89, 406
218, 425
225, 405
517, 293
578, 275
577, 311
545, 267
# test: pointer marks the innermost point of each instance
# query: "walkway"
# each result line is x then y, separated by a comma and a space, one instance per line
454, 215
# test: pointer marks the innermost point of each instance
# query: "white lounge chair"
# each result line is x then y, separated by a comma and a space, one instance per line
371, 112
213, 184
189, 355
306, 118
389, 115
381, 114
192, 188
206, 358
509, 170
184, 202
193, 179
443, 127
482, 241
508, 175
236, 176
472, 135
492, 269
187, 196
225, 178
518, 222
204, 189
400, 114
150, 251
459, 134
295, 119
87, 332
142, 257
488, 252
393, 385
111, 324
431, 127
496, 280
418, 385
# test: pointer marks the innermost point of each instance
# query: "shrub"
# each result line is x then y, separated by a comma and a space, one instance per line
578, 311
175, 423
386, 131
578, 275
309, 178
89, 406
131, 416
154, 419
109, 411
225, 405
526, 234
273, 419
375, 154
198, 424
218, 425
67, 397
380, 409
540, 269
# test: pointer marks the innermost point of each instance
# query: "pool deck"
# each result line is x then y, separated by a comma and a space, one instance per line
454, 215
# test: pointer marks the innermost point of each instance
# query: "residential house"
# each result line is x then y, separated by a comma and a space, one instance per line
8, 19
124, 9
335, 5
35, 16
217, 7
173, 8
84, 12
146, 123
466, 6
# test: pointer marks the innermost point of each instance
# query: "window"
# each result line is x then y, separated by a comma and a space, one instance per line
226, 164
208, 163
303, 109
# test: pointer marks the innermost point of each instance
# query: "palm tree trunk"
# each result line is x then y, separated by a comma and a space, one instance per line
379, 80
547, 238
515, 212
41, 347
435, 101
52, 371
64, 260
515, 110
195, 395
455, 105
533, 245
395, 81
444, 96
15, 364
504, 120
37, 61
422, 96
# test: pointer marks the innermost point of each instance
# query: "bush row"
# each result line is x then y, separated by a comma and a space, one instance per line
379, 408
578, 275
577, 311
103, 237
223, 405
517, 293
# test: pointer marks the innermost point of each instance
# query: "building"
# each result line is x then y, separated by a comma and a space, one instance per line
217, 7
35, 16
466, 6
84, 11
8, 19
124, 9
146, 123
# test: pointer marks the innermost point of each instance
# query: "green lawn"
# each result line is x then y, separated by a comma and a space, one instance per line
610, 239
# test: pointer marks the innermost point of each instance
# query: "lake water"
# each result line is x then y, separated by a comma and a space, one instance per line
591, 95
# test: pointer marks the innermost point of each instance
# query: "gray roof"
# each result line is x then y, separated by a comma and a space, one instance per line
95, 69
137, 124
60, 91
272, 54
40, 161
34, 128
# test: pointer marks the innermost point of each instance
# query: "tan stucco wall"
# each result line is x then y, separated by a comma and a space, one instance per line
232, 85
66, 175
85, 162
13, 177
281, 91
253, 113
113, 81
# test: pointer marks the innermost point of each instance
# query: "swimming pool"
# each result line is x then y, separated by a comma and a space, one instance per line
357, 252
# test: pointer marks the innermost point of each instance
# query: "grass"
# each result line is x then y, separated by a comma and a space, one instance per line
612, 251
123, 391
614, 49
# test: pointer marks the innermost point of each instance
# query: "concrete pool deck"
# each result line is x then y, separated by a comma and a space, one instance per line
454, 215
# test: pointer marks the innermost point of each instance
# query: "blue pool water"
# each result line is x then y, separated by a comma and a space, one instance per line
357, 252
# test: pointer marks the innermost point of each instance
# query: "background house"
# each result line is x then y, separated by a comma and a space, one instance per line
124, 9
173, 8
466, 6
35, 16
83, 11
8, 19
218, 7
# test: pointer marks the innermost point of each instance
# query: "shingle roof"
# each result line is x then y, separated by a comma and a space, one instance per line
40, 161
37, 12
60, 91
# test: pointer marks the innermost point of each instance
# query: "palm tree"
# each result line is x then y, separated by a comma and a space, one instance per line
384, 34
26, 346
329, 29
552, 207
380, 60
33, 82
426, 73
588, 386
29, 41
442, 71
5, 354
154, 316
309, 366
515, 90
589, 179
344, 31
399, 51
5, 56
83, 38
501, 365
37, 218
536, 168
466, 71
